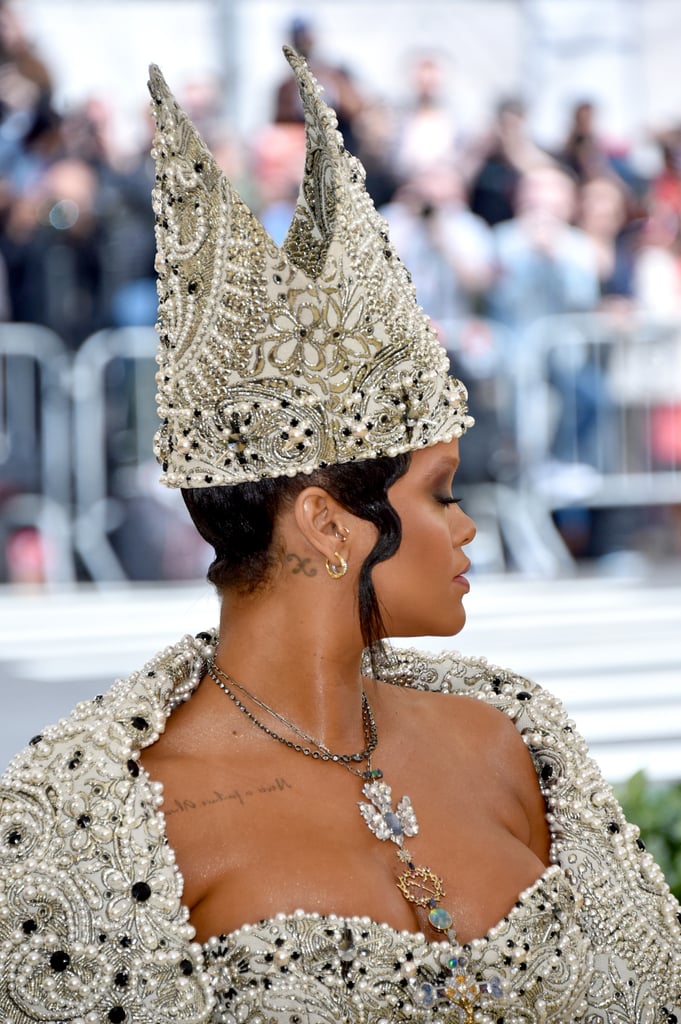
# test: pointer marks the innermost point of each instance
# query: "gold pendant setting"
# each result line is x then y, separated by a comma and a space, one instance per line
421, 886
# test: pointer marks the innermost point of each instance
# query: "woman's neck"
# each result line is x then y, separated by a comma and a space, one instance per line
302, 659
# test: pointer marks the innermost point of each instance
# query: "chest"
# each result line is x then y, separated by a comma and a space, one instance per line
272, 831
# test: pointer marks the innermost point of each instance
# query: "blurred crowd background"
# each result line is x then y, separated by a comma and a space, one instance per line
503, 235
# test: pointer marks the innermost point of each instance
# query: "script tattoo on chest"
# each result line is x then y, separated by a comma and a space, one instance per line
301, 564
235, 797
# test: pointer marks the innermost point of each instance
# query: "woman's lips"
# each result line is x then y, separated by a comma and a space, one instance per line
461, 579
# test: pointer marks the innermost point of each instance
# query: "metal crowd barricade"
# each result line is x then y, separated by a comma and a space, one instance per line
598, 416
114, 418
35, 454
509, 531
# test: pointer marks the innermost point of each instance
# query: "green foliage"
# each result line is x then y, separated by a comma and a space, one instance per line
656, 809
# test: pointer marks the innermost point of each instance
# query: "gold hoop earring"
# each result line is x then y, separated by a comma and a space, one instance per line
336, 572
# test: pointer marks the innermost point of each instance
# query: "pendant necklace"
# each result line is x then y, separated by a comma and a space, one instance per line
417, 883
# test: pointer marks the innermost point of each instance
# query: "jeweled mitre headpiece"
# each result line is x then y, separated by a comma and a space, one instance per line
276, 361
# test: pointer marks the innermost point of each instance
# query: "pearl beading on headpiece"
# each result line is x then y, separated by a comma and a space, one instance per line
273, 361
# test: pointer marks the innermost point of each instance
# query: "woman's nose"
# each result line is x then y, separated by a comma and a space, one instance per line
465, 530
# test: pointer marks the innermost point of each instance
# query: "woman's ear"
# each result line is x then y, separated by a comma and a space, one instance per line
322, 521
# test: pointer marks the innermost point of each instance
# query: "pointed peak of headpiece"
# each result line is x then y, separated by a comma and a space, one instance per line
327, 171
159, 89
318, 114
157, 82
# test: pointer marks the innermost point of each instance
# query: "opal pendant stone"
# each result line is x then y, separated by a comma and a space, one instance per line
440, 918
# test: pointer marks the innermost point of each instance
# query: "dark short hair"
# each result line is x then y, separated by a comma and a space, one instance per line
238, 522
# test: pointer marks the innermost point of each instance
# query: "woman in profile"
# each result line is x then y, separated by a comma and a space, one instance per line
284, 820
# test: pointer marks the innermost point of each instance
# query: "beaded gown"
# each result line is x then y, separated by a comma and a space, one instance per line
93, 929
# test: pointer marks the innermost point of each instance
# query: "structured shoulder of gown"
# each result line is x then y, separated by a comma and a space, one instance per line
92, 927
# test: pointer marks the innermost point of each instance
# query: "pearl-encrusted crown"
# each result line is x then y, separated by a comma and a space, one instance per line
276, 361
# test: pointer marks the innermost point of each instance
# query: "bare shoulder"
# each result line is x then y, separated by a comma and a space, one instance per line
459, 712
194, 731
487, 748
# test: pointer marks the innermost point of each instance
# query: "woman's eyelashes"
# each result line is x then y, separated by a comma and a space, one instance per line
447, 499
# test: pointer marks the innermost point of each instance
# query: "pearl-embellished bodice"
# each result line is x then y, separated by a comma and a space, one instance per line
329, 968
93, 928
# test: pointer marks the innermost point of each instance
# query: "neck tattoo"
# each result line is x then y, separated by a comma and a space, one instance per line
418, 884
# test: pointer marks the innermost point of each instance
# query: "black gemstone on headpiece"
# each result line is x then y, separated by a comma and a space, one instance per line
60, 960
133, 768
186, 967
121, 979
14, 838
116, 1015
141, 891
83, 821
28, 927
35, 740
140, 723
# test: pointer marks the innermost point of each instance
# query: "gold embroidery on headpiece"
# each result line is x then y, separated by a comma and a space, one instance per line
276, 361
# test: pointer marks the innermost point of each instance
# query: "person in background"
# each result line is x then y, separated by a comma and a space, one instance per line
339, 88
665, 188
427, 134
499, 159
583, 153
25, 83
544, 265
603, 215
53, 252
448, 249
